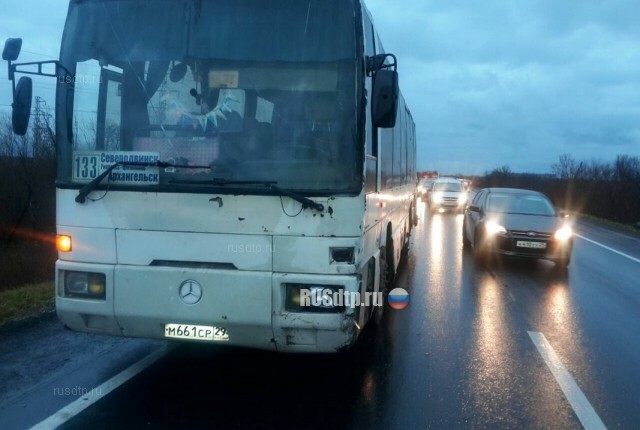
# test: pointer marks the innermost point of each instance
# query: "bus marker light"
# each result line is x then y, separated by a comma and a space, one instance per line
63, 243
343, 255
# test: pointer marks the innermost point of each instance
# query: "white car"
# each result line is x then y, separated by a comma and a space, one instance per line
447, 195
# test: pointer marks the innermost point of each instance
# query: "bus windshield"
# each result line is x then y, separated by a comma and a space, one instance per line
212, 84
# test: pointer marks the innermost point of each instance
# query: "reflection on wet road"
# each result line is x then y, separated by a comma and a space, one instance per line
459, 356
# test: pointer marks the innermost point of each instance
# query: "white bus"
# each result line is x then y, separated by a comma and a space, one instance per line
215, 159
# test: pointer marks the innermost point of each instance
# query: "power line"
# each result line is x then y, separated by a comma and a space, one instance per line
3, 105
39, 53
52, 87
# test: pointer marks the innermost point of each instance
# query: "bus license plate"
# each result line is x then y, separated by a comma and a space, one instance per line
533, 245
196, 332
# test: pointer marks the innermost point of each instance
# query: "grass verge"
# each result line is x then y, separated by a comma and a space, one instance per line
26, 301
607, 223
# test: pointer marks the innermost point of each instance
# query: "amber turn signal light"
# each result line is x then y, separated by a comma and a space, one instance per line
63, 243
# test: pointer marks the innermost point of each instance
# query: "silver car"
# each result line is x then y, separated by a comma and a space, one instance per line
447, 195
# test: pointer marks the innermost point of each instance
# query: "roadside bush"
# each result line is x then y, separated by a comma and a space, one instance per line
27, 205
605, 190
27, 261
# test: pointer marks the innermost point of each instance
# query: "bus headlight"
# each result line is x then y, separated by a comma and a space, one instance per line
563, 234
313, 298
84, 285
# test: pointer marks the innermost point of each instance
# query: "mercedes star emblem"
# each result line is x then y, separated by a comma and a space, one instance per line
190, 292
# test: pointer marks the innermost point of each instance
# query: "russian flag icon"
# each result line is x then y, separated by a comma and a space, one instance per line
398, 298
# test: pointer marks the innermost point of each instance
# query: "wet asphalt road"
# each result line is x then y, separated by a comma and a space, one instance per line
460, 356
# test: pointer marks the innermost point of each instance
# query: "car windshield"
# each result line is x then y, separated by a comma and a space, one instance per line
526, 204
455, 187
153, 82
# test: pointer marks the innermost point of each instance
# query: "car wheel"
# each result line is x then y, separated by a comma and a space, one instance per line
479, 254
563, 262
466, 244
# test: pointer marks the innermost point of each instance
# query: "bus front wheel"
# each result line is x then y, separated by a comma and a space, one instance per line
384, 283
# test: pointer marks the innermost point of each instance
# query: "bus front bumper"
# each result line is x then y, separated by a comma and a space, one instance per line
140, 301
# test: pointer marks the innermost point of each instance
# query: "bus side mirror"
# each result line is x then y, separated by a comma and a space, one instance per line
22, 92
22, 106
384, 105
474, 209
12, 48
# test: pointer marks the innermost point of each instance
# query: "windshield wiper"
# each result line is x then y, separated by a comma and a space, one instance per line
219, 181
84, 191
304, 201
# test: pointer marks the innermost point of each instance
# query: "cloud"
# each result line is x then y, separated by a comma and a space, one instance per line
519, 83
39, 23
488, 83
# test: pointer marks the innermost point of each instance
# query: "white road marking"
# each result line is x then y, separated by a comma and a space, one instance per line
581, 406
607, 248
79, 405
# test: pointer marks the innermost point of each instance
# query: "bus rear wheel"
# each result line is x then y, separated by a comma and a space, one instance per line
386, 280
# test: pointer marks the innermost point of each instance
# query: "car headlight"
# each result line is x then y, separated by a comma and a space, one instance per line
462, 198
494, 228
563, 234
437, 198
420, 189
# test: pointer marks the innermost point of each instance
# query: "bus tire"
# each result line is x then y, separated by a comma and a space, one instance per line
390, 272
405, 245
413, 218
378, 311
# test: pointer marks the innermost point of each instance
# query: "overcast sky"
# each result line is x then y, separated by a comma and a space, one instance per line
489, 83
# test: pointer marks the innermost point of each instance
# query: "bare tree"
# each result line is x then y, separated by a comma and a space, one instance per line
603, 189
44, 139
568, 168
